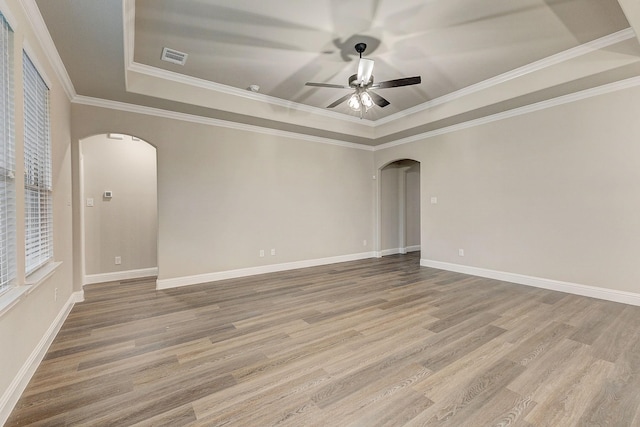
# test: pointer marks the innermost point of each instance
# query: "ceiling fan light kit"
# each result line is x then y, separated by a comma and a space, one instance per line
363, 98
360, 100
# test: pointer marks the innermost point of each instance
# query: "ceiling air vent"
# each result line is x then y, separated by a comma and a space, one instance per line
171, 55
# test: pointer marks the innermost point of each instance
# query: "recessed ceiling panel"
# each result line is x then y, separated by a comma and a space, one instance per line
461, 49
279, 45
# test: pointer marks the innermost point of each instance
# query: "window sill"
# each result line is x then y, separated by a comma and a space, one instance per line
10, 298
42, 274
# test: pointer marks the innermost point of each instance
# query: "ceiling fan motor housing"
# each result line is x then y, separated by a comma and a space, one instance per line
360, 48
353, 81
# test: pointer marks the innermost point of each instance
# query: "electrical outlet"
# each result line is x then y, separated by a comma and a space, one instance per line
273, 251
118, 260
364, 242
261, 253
55, 294
461, 252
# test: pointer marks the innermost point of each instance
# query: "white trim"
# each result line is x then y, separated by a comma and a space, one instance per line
565, 99
119, 275
156, 112
539, 282
549, 61
395, 251
41, 274
542, 105
12, 296
387, 252
252, 271
46, 42
8, 16
16, 388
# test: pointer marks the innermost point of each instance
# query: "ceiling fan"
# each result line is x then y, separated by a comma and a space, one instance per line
363, 98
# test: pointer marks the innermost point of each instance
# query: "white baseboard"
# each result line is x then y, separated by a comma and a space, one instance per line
387, 252
11, 396
120, 275
252, 271
79, 296
394, 251
538, 282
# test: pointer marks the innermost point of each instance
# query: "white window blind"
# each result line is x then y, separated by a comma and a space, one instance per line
7, 160
37, 170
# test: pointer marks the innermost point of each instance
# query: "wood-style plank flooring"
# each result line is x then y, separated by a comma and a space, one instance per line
378, 342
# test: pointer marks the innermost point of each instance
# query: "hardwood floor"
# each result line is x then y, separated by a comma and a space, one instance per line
379, 342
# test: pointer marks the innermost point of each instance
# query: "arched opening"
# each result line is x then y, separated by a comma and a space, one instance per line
399, 207
119, 208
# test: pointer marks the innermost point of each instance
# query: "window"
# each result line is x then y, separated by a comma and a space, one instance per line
37, 170
7, 160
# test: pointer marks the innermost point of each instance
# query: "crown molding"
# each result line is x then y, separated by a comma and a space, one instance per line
549, 61
157, 112
150, 71
566, 99
542, 105
46, 42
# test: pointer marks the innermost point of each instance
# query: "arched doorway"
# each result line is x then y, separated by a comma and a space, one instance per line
399, 207
119, 209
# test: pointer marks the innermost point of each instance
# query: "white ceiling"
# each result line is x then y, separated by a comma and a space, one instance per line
475, 57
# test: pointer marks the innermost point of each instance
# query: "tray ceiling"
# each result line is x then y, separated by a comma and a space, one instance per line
477, 58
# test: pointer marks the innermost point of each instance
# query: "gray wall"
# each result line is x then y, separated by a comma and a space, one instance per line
127, 224
551, 194
225, 194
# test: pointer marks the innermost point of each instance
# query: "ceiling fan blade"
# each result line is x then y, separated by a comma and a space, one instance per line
406, 81
339, 101
326, 85
380, 101
365, 70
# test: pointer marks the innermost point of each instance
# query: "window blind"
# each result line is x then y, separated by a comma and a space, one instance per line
37, 170
7, 160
